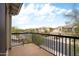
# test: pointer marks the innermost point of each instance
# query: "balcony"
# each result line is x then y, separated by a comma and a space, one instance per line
33, 44
28, 50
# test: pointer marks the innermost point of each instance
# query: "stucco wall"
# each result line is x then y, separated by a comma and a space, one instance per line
8, 27
2, 29
5, 29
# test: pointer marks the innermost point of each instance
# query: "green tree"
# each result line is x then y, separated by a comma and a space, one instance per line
38, 39
73, 19
16, 30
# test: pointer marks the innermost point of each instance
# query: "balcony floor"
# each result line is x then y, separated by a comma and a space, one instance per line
28, 50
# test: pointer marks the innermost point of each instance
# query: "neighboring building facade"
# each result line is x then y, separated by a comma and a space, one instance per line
64, 30
57, 31
6, 12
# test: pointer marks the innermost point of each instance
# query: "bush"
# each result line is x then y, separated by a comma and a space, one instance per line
28, 39
37, 39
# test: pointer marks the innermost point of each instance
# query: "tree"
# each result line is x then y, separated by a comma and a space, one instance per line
74, 15
16, 30
51, 29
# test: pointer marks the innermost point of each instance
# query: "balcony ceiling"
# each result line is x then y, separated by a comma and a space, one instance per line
15, 8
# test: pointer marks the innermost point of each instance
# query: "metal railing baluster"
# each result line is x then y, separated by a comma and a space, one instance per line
56, 45
70, 47
74, 48
65, 46
62, 46
59, 46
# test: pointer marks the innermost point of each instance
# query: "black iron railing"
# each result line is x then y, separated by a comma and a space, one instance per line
58, 45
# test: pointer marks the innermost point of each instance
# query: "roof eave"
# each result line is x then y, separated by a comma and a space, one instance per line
15, 8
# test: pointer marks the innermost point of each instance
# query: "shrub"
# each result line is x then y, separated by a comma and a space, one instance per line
37, 39
28, 39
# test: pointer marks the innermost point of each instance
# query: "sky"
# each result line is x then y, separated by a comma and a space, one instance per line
40, 1
35, 15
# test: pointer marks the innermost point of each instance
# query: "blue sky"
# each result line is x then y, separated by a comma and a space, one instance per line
35, 15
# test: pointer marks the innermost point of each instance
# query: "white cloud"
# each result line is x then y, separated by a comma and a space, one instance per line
69, 12
45, 9
23, 20
61, 11
51, 10
29, 9
40, 18
57, 10
30, 13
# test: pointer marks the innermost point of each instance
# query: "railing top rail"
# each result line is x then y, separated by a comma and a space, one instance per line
74, 37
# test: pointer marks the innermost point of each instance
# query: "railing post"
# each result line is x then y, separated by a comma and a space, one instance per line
74, 48
32, 37
59, 46
70, 47
56, 45
65, 46
62, 46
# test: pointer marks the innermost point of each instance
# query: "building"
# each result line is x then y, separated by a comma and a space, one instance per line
6, 12
57, 31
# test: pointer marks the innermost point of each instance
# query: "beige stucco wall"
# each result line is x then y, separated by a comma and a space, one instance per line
8, 28
5, 28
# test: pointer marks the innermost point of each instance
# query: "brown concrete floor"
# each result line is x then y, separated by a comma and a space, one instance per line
28, 50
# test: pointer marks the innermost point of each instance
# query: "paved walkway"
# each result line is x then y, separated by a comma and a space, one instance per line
28, 50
